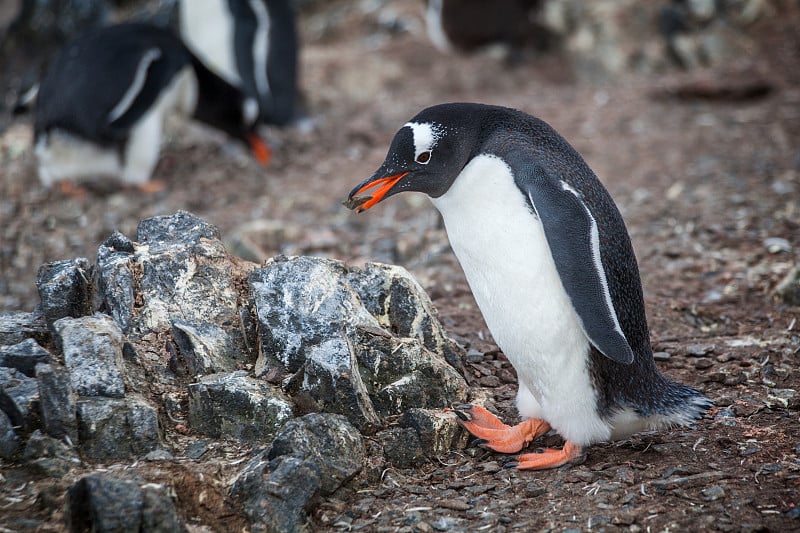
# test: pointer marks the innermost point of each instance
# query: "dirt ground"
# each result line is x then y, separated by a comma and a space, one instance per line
703, 183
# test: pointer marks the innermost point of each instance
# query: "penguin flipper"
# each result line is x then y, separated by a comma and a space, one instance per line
572, 235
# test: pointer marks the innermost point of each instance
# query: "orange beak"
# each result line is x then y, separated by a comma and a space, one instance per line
384, 186
261, 150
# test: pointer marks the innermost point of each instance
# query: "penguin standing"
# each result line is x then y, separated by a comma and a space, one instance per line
551, 266
250, 43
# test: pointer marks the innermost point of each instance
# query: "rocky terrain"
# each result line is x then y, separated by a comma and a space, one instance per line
205, 357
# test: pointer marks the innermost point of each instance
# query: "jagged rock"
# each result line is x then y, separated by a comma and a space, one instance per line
236, 406
202, 349
302, 302
401, 306
276, 494
65, 289
93, 354
102, 503
328, 441
788, 290
114, 280
110, 428
57, 402
49, 456
400, 374
24, 356
9, 441
401, 446
438, 432
19, 398
16, 327
330, 381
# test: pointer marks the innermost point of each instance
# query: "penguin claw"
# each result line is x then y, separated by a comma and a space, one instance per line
462, 416
479, 442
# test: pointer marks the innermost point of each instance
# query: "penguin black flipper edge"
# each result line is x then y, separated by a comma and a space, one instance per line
572, 235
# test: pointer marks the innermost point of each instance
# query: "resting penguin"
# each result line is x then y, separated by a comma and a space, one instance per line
102, 103
250, 43
550, 263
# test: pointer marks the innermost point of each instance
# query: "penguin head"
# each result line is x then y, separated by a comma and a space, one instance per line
426, 155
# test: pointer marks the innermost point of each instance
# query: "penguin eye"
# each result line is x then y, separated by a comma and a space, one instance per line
424, 157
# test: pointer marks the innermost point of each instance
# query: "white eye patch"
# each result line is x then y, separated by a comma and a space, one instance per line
425, 134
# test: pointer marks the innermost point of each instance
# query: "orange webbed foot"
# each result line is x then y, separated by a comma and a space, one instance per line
152, 186
550, 458
496, 435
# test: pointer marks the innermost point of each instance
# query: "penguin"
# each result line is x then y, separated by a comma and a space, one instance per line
469, 24
252, 44
103, 101
548, 258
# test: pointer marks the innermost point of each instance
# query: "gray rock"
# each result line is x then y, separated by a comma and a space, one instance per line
57, 402
236, 406
438, 432
114, 280
788, 290
202, 349
400, 374
93, 354
24, 356
19, 398
9, 441
394, 297
330, 381
65, 289
302, 302
48, 456
110, 428
16, 327
276, 494
328, 441
102, 503
401, 446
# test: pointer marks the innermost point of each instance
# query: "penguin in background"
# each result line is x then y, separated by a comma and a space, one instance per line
548, 258
101, 105
250, 43
466, 25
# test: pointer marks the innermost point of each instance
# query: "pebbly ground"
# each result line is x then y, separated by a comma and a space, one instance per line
708, 185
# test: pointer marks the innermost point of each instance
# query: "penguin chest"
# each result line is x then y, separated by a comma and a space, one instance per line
503, 251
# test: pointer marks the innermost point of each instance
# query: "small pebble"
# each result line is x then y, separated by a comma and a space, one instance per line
662, 356
159, 455
474, 356
713, 493
704, 363
699, 350
489, 381
776, 245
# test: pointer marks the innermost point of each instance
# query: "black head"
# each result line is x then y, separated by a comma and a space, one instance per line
426, 155
225, 107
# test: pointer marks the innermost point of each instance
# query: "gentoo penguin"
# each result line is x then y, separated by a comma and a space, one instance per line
102, 103
470, 24
250, 43
550, 263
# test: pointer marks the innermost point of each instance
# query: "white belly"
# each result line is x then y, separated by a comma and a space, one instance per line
207, 29
502, 248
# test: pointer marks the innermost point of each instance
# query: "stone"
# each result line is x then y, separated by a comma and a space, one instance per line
276, 494
93, 354
24, 356
65, 289
788, 289
438, 432
236, 406
330, 381
48, 456
57, 402
302, 302
114, 280
111, 428
18, 326
102, 503
401, 306
9, 441
401, 373
201, 349
401, 446
19, 398
326, 440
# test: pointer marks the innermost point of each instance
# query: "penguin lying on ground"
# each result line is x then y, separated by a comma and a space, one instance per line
551, 266
250, 43
102, 104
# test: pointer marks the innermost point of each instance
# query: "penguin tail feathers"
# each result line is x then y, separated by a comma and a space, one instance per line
686, 405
